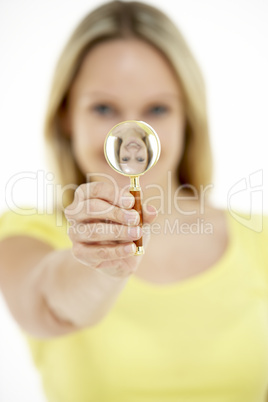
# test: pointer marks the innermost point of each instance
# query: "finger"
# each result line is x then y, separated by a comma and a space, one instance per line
96, 209
95, 255
105, 191
99, 232
149, 215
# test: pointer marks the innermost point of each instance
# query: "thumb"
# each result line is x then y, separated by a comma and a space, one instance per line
149, 214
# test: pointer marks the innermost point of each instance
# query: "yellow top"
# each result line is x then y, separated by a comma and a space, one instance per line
202, 340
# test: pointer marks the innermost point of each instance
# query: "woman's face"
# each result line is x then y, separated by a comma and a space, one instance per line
123, 80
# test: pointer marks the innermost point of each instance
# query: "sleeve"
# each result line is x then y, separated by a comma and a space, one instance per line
49, 228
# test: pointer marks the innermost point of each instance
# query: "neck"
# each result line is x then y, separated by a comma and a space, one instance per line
173, 200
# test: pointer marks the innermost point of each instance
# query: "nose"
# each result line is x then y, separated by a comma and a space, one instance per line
130, 115
132, 151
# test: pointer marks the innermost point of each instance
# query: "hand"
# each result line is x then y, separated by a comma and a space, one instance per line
103, 226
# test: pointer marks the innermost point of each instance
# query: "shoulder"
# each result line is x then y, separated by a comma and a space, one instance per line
248, 233
250, 236
50, 228
254, 227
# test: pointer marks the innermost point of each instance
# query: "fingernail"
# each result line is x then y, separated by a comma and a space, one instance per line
150, 209
135, 231
132, 217
130, 248
127, 201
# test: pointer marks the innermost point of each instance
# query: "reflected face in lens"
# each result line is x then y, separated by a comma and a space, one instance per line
133, 155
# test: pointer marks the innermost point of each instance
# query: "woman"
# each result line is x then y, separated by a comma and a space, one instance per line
186, 321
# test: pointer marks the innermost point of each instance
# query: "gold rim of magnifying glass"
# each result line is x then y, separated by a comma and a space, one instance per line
149, 130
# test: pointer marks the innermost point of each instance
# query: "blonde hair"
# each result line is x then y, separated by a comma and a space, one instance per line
118, 19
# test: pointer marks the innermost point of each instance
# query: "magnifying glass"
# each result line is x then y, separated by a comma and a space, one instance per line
131, 148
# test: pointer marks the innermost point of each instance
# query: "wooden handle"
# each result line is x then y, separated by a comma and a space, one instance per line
138, 208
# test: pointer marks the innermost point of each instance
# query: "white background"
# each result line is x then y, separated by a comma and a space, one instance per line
229, 39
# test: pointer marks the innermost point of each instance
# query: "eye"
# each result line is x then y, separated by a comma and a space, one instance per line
125, 159
140, 159
158, 110
103, 109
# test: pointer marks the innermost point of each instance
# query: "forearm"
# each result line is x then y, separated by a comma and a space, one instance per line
73, 292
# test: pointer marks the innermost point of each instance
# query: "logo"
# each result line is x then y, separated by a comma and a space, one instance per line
250, 189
